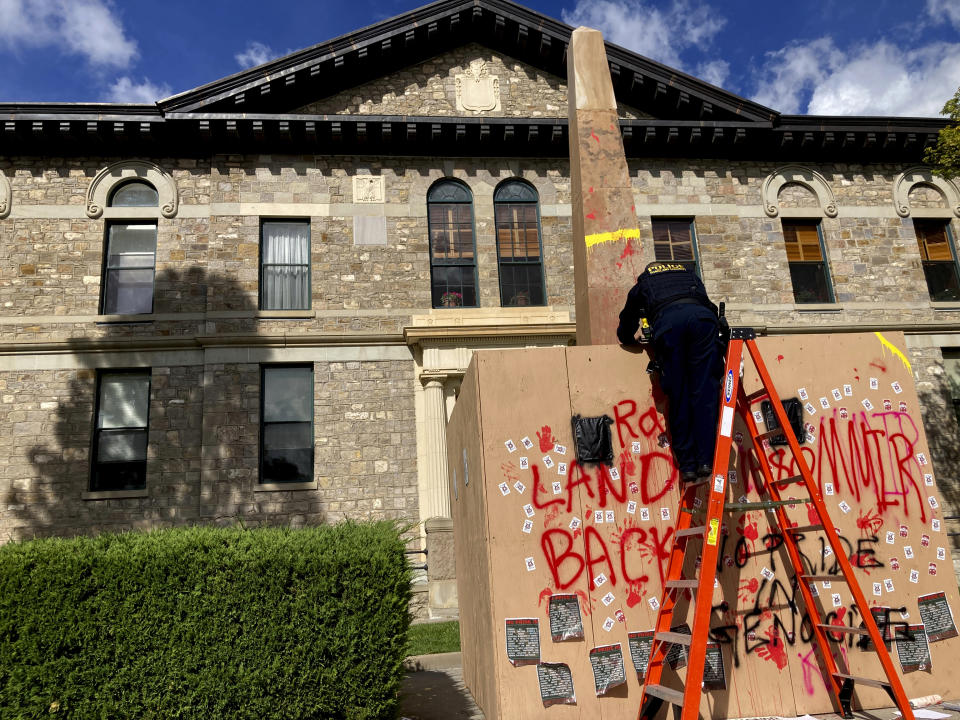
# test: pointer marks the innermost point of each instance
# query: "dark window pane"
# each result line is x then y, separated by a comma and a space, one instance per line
454, 279
673, 242
287, 436
810, 283
942, 280
287, 466
119, 476
286, 432
124, 400
521, 285
122, 445
129, 292
120, 438
287, 394
137, 240
135, 194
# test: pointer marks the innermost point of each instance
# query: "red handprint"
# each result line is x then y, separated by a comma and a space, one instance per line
545, 434
551, 515
869, 523
775, 649
748, 587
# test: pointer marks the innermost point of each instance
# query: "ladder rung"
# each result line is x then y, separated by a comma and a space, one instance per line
665, 693
764, 504
864, 681
788, 481
843, 629
814, 578
769, 433
696, 483
804, 528
682, 583
674, 637
757, 395
698, 530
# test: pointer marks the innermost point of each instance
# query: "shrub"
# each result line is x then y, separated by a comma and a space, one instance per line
205, 623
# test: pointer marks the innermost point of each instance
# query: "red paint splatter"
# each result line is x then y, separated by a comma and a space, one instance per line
591, 189
619, 265
775, 649
869, 523
627, 251
594, 136
545, 594
748, 587
856, 377
592, 216
779, 358
545, 435
879, 366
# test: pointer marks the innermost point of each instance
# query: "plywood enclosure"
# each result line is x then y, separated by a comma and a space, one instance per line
527, 527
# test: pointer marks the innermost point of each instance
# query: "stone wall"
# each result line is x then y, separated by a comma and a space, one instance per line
429, 89
203, 451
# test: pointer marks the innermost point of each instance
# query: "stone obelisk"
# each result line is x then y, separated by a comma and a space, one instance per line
606, 239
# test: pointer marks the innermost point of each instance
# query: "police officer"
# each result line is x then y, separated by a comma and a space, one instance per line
686, 340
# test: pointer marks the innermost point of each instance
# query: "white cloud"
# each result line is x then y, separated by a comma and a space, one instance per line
125, 90
661, 34
944, 11
870, 79
714, 72
256, 54
83, 27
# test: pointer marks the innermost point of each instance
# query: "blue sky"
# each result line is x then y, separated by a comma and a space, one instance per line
843, 57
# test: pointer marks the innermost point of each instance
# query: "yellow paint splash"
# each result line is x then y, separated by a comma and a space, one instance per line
605, 237
895, 350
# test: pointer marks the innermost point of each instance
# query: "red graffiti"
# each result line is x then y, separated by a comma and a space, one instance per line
747, 589
545, 594
869, 523
810, 670
537, 488
627, 250
591, 216
594, 136
779, 358
774, 650
545, 435
879, 366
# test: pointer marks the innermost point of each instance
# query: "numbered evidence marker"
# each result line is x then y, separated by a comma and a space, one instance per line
848, 390
607, 664
519, 487
510, 445
526, 442
874, 384
531, 565
528, 526
523, 641
504, 488
888, 585
664, 513
645, 514
609, 516
928, 479
524, 462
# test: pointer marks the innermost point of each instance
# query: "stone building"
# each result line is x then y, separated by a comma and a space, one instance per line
348, 223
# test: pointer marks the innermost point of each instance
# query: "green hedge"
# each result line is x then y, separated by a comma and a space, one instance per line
205, 623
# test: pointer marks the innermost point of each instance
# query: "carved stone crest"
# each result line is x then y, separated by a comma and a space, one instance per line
477, 89
368, 188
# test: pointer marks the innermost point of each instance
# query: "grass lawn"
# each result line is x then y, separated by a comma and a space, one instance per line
431, 638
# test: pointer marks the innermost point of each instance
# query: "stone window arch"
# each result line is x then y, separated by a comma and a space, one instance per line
797, 175
112, 177
914, 176
6, 196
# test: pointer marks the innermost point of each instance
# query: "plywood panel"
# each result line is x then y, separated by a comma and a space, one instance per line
873, 458
474, 583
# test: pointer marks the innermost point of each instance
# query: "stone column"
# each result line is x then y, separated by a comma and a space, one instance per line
435, 501
606, 238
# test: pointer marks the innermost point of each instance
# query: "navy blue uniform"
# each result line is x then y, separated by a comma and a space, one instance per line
685, 336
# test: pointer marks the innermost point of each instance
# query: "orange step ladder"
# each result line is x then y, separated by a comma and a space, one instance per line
707, 532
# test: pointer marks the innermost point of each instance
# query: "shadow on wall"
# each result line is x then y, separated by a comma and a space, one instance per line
202, 445
943, 437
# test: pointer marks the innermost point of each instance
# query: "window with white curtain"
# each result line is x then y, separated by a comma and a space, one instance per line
120, 435
285, 265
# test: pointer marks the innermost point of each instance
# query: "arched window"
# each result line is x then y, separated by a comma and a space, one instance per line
135, 194
519, 254
453, 263
131, 254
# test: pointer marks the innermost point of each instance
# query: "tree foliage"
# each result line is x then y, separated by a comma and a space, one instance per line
944, 157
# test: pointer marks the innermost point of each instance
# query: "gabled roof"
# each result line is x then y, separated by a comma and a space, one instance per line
322, 70
258, 110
